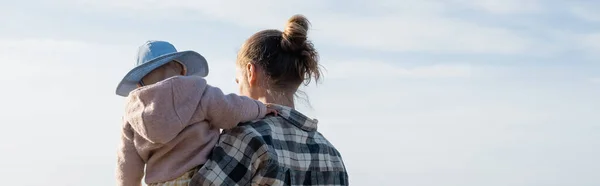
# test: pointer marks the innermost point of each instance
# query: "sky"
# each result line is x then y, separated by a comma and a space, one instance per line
415, 92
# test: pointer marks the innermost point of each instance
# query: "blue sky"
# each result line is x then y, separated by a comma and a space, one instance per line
423, 93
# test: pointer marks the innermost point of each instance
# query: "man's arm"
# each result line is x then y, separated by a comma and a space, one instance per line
235, 160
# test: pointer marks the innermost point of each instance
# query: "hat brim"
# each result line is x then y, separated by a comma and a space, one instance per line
195, 64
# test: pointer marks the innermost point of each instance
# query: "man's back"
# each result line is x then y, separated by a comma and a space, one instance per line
285, 150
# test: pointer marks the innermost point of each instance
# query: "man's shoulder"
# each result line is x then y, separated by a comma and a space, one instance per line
273, 130
255, 134
254, 128
282, 147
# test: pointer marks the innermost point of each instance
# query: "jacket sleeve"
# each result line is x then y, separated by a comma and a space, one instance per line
160, 111
130, 166
226, 111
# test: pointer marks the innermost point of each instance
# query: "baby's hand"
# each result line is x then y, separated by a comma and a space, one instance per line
271, 110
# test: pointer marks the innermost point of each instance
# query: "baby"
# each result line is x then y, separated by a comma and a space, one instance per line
172, 138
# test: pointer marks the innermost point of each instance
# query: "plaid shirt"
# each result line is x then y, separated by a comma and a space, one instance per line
284, 150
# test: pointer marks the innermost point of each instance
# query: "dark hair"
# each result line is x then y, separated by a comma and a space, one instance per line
288, 58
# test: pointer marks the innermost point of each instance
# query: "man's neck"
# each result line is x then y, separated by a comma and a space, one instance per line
279, 99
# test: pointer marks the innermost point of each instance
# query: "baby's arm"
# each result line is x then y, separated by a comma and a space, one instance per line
130, 167
226, 111
160, 111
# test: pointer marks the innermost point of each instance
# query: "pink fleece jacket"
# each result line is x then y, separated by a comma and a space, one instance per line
171, 127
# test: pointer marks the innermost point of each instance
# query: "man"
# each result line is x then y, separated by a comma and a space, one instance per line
282, 150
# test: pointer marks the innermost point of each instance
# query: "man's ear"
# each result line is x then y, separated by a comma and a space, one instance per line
251, 74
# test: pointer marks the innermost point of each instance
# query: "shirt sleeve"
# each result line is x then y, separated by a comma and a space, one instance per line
130, 166
235, 160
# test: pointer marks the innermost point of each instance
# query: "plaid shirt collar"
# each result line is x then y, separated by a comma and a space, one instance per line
296, 118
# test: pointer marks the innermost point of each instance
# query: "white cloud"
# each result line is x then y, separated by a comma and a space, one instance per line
587, 10
424, 34
28, 57
402, 26
262, 13
504, 6
60, 93
379, 69
590, 43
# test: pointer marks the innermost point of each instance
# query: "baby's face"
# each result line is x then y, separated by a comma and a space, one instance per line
161, 73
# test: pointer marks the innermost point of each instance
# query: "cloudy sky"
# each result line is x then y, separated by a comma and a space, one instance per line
416, 92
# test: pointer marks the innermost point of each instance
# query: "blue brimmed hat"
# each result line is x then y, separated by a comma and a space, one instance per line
154, 54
